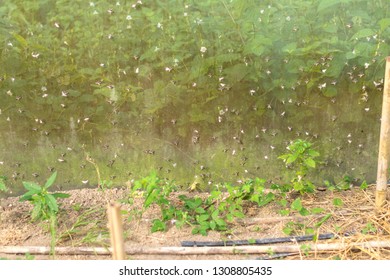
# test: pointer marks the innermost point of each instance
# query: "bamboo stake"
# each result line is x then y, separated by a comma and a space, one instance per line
116, 231
319, 248
384, 148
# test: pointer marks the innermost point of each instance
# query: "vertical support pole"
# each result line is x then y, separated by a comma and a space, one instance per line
116, 231
384, 143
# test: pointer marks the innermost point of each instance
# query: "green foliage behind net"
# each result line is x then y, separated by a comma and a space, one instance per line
180, 65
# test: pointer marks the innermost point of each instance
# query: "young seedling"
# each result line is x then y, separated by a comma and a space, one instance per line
3, 187
45, 204
301, 158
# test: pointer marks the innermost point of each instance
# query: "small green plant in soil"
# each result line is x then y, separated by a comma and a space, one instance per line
296, 228
302, 159
306, 249
369, 228
344, 184
222, 205
45, 204
363, 185
155, 191
3, 187
337, 202
105, 185
208, 214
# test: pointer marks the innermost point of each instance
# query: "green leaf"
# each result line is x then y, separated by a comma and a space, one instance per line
284, 212
32, 187
288, 230
330, 92
336, 67
21, 40
220, 222
151, 198
3, 187
254, 49
202, 218
158, 225
292, 158
384, 23
36, 212
317, 210
213, 225
255, 198
215, 214
330, 28
237, 72
310, 231
28, 196
51, 180
304, 211
193, 203
364, 185
238, 214
51, 202
296, 205
284, 157
229, 217
257, 45
351, 55
200, 210
266, 199
323, 220
363, 33
338, 202
313, 153
60, 195
283, 202
324, 4
310, 162
290, 48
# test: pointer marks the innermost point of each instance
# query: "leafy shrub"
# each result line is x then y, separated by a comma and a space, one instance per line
302, 159
163, 53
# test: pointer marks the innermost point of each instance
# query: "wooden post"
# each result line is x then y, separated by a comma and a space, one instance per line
384, 145
116, 231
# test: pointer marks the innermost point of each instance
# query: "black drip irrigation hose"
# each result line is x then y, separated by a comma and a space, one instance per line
258, 241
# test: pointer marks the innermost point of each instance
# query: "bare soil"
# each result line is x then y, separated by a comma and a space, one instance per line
87, 208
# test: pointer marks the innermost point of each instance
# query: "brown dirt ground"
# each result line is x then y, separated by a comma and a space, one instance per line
16, 228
